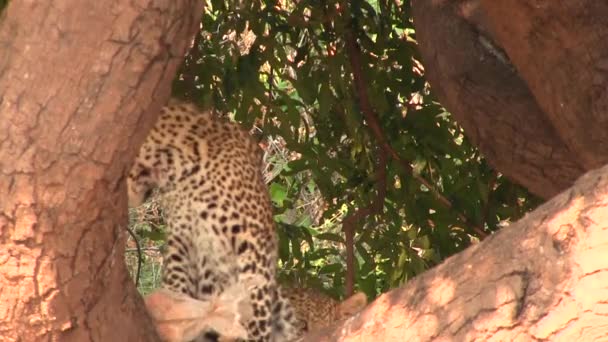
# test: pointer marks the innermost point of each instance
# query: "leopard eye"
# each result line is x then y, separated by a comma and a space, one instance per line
148, 194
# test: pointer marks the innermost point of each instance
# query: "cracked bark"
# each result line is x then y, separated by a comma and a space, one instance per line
541, 279
560, 52
80, 82
526, 82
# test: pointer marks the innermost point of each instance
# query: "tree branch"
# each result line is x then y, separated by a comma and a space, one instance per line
348, 224
542, 279
486, 207
354, 55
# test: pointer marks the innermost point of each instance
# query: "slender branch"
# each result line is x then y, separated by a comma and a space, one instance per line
348, 224
270, 84
354, 55
189, 74
143, 249
139, 255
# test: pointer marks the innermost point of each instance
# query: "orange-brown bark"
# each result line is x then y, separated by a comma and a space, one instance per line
540, 279
559, 49
525, 79
78, 82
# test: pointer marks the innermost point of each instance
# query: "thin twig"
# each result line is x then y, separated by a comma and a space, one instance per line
189, 73
486, 207
143, 249
270, 84
139, 255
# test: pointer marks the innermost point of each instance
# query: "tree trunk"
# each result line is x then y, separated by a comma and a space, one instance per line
542, 278
527, 82
80, 84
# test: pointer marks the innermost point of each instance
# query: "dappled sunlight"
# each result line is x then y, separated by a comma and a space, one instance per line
434, 156
441, 291
541, 278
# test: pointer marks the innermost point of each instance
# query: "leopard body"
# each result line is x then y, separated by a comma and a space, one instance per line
315, 310
218, 212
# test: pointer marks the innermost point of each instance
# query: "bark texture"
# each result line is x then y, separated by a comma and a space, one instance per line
80, 82
561, 50
526, 80
541, 279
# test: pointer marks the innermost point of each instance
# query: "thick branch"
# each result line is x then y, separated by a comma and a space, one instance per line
559, 50
476, 82
542, 278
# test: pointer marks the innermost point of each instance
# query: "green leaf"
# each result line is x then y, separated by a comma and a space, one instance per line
153, 234
304, 99
330, 237
278, 193
331, 268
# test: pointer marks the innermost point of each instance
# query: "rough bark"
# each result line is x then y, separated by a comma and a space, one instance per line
542, 278
79, 82
535, 109
560, 50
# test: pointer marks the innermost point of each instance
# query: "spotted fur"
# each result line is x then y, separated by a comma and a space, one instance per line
218, 212
315, 310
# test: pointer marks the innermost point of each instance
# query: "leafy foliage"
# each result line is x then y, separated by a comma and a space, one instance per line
284, 67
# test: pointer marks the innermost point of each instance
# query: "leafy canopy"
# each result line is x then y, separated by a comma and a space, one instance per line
286, 68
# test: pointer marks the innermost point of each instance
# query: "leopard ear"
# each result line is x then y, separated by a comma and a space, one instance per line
352, 304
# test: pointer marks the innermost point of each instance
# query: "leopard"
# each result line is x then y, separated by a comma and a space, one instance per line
206, 172
315, 310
